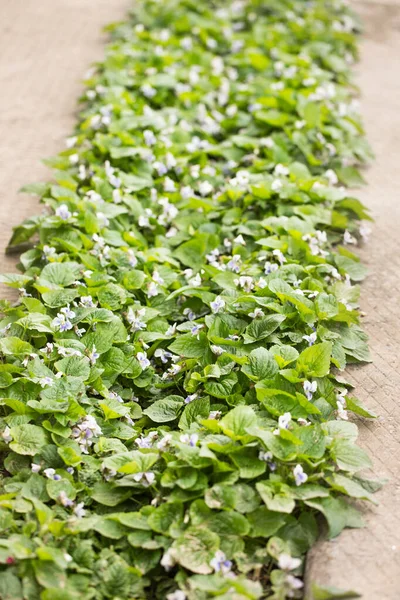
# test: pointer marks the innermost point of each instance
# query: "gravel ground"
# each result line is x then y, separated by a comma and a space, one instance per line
45, 48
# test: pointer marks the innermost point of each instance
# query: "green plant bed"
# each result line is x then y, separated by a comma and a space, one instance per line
174, 418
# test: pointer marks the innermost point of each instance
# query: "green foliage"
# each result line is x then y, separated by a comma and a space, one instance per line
172, 419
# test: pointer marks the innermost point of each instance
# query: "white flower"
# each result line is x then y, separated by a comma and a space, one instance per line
217, 350
49, 251
257, 313
46, 381
51, 474
341, 412
278, 254
86, 302
145, 479
220, 563
240, 240
288, 563
331, 177
348, 238
281, 170
309, 388
276, 185
215, 414
152, 289
63, 212
93, 355
177, 595
299, 476
270, 267
6, 435
190, 439
79, 511
205, 188
294, 583
148, 91
143, 360
149, 137
64, 500
245, 282
217, 305
85, 431
234, 263
35, 468
168, 559
164, 442
311, 339
134, 318
283, 422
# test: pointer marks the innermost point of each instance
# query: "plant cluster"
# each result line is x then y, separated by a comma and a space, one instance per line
174, 419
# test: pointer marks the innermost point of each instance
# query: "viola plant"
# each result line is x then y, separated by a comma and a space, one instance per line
175, 422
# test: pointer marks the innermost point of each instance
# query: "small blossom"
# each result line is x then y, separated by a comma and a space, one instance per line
79, 511
46, 381
217, 350
177, 595
220, 563
299, 476
257, 313
64, 500
145, 479
190, 439
310, 339
168, 559
93, 355
164, 442
63, 212
217, 305
215, 414
35, 468
205, 188
348, 238
278, 254
310, 387
283, 422
190, 398
143, 360
6, 435
86, 302
288, 563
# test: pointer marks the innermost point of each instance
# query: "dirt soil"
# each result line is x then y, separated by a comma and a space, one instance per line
368, 560
46, 47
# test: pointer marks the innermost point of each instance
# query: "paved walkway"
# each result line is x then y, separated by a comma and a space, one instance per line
45, 48
368, 560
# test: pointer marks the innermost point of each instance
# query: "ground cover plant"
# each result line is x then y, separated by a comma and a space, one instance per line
174, 419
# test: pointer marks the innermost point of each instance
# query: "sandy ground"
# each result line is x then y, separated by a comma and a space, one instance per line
368, 560
46, 47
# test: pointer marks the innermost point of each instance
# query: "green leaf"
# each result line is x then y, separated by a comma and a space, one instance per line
236, 421
28, 439
195, 549
260, 329
165, 410
315, 360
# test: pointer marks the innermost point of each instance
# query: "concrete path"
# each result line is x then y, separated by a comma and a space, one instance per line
368, 560
46, 46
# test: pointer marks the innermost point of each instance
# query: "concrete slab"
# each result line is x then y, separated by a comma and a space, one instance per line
368, 560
